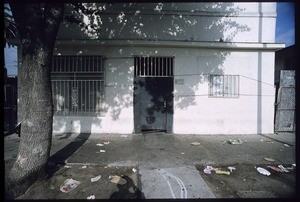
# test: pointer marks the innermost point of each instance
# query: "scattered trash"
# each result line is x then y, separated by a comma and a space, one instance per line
100, 145
294, 164
269, 141
91, 197
286, 145
117, 179
182, 153
95, 179
83, 167
261, 140
124, 135
134, 170
222, 172
101, 151
195, 143
238, 141
231, 168
269, 159
208, 169
66, 166
69, 185
275, 168
283, 168
263, 171
106, 142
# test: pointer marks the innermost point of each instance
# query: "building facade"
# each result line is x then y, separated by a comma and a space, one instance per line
184, 68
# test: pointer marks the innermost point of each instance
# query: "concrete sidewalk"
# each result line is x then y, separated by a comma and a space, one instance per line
166, 162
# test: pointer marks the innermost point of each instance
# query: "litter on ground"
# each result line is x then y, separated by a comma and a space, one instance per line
283, 168
106, 142
286, 145
269, 141
124, 135
275, 168
238, 141
66, 166
117, 179
101, 151
91, 197
83, 167
134, 170
263, 171
182, 153
231, 168
222, 172
100, 145
269, 159
95, 179
69, 185
195, 143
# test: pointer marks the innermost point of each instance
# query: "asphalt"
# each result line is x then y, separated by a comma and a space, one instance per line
166, 162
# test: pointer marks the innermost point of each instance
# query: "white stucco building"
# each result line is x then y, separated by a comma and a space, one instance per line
184, 68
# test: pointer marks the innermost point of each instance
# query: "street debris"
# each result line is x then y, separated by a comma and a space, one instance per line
124, 135
69, 185
269, 141
134, 170
263, 171
100, 145
95, 179
276, 169
117, 179
294, 164
66, 166
106, 142
195, 143
101, 151
222, 172
269, 159
208, 169
286, 145
91, 197
283, 168
182, 153
83, 167
231, 168
238, 141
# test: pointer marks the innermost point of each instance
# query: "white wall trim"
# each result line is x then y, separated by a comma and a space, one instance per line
174, 44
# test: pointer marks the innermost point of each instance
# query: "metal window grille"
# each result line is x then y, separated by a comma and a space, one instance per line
77, 85
225, 86
153, 66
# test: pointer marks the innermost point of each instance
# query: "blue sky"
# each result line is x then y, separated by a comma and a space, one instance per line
285, 33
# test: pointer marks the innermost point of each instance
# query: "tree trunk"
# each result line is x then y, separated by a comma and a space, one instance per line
37, 33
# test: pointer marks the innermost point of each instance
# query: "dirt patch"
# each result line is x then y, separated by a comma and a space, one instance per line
247, 182
101, 189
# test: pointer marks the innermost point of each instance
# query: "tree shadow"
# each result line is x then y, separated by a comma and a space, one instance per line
127, 191
62, 155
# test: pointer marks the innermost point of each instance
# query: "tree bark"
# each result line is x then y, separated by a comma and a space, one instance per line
37, 29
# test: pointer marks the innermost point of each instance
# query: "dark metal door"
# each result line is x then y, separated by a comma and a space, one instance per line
153, 104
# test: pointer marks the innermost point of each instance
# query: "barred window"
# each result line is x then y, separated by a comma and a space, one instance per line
153, 66
77, 85
224, 86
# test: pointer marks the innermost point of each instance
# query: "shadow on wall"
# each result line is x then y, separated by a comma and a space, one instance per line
130, 21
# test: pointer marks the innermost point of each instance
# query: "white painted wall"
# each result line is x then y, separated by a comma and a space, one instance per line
194, 111
145, 30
